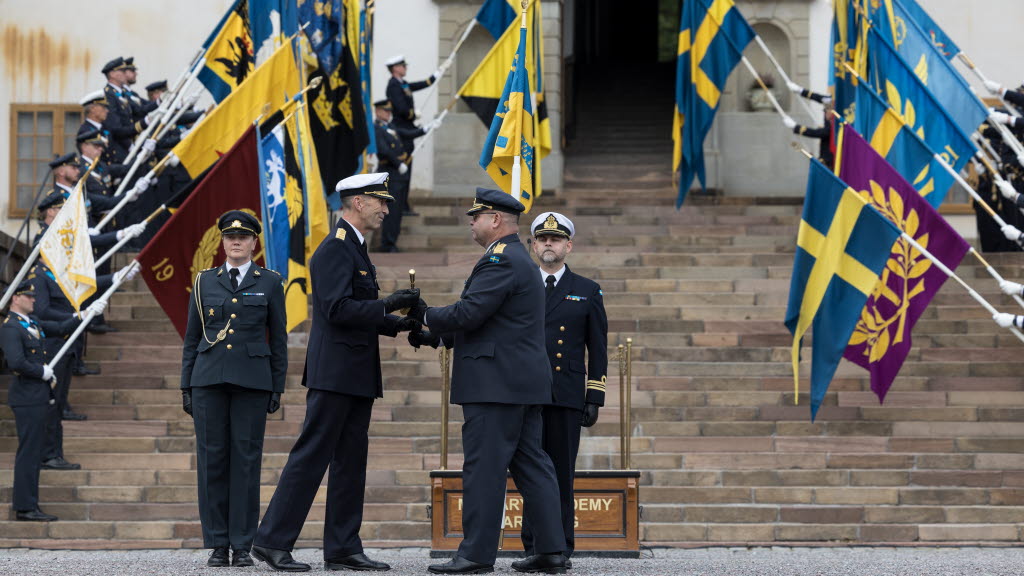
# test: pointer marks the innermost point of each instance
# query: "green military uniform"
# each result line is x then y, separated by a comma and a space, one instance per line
234, 363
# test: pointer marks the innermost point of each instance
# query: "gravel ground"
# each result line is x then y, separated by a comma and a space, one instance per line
657, 562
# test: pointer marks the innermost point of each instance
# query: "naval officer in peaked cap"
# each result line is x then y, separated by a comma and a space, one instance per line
576, 337
343, 378
233, 368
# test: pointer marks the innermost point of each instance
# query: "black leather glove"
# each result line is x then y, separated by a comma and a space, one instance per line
275, 403
409, 324
424, 338
186, 400
405, 298
419, 311
589, 414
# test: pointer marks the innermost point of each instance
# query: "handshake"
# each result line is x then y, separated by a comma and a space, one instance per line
408, 299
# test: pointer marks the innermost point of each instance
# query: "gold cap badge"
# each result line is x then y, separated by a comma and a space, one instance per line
551, 223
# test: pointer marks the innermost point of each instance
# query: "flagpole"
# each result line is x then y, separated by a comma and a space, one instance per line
88, 316
517, 170
942, 266
785, 77
31, 259
182, 86
110, 253
153, 173
984, 80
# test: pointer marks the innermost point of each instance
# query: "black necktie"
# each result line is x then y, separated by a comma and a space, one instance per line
550, 282
234, 278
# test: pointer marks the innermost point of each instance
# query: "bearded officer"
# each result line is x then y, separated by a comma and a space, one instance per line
343, 376
501, 378
576, 329
233, 367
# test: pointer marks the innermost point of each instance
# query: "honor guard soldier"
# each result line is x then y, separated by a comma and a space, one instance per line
119, 123
399, 93
30, 395
139, 105
824, 134
233, 367
343, 377
501, 377
95, 111
395, 160
574, 323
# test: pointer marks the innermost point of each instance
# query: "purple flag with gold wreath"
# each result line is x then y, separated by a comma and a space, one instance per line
881, 340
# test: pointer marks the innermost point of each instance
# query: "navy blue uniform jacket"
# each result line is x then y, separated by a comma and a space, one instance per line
575, 322
343, 355
25, 354
498, 330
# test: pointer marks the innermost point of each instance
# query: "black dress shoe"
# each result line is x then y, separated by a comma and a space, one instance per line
279, 559
69, 415
356, 562
59, 463
36, 515
241, 558
542, 563
460, 565
84, 371
218, 558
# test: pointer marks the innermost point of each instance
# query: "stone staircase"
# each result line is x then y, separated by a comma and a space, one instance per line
726, 456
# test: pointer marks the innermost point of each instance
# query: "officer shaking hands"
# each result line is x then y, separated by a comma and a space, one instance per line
576, 329
501, 377
343, 377
233, 369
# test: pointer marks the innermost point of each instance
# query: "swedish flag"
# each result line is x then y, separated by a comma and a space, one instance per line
508, 153
712, 36
842, 247
903, 148
228, 52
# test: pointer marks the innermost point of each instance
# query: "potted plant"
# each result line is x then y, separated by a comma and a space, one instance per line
757, 98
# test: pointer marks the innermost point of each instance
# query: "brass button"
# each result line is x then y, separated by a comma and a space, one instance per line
32, 351
231, 331
229, 346
234, 300
559, 342
233, 316
559, 355
44, 352
558, 368
562, 328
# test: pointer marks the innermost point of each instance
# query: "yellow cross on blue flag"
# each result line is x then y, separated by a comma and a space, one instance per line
842, 246
508, 154
712, 36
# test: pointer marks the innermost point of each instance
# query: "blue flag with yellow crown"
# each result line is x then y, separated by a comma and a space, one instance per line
229, 54
510, 138
712, 36
843, 245
901, 33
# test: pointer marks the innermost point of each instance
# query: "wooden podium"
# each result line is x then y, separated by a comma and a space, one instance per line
607, 502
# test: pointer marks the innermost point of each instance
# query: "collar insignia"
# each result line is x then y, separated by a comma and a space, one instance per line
499, 248
340, 234
363, 272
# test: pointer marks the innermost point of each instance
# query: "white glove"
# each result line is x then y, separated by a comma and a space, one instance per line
94, 232
97, 307
789, 122
47, 372
373, 162
1006, 189
1000, 117
154, 116
1011, 288
1003, 319
403, 168
437, 74
143, 184
994, 87
794, 87
173, 160
416, 114
128, 272
135, 230
1011, 232
132, 195
149, 145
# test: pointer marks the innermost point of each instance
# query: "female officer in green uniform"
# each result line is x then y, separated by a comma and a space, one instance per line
233, 370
